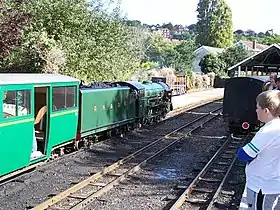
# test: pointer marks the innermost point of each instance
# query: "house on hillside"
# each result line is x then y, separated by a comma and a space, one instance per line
165, 32
201, 52
251, 47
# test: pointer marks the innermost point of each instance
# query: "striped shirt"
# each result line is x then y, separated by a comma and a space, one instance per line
263, 172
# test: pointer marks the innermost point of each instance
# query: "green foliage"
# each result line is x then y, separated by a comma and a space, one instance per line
214, 26
212, 63
12, 20
87, 44
158, 48
134, 23
178, 56
90, 43
269, 40
183, 57
267, 37
233, 55
148, 65
31, 55
221, 62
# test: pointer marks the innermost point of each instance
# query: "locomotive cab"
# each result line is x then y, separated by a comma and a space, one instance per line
139, 93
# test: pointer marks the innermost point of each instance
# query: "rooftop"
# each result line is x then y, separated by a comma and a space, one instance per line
7, 79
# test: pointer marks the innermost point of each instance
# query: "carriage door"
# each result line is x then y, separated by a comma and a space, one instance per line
41, 118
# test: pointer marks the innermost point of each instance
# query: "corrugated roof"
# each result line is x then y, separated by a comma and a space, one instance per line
258, 46
213, 50
6, 79
253, 56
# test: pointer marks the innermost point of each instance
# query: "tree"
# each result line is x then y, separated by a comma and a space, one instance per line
261, 34
240, 32
214, 26
87, 43
233, 55
166, 53
274, 39
192, 27
158, 47
12, 20
185, 56
250, 33
212, 63
168, 26
221, 62
135, 23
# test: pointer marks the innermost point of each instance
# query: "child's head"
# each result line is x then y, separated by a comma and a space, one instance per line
268, 105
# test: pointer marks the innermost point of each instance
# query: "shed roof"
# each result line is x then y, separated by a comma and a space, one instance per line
259, 46
267, 57
7, 79
213, 50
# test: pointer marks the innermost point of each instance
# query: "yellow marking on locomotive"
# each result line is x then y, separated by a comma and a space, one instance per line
64, 113
16, 122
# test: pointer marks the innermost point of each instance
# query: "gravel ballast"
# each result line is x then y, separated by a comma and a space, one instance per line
35, 187
156, 184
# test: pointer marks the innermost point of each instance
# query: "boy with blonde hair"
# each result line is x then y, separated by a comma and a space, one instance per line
262, 154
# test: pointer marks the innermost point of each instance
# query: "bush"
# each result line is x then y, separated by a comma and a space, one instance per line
148, 65
212, 63
83, 42
221, 62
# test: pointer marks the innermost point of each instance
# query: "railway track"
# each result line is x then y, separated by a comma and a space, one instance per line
82, 194
207, 186
18, 174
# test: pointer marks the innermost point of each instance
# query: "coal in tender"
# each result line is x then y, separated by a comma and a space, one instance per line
98, 85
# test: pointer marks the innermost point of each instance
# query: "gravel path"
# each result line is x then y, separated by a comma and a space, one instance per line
157, 182
34, 188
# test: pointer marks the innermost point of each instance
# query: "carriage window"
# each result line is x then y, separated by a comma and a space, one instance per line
16, 103
64, 97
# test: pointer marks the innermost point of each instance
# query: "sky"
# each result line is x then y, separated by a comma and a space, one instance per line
257, 15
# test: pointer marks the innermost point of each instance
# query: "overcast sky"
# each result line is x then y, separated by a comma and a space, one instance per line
258, 15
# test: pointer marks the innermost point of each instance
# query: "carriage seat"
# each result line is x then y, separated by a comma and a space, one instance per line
40, 118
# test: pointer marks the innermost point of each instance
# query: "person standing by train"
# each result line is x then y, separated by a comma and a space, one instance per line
272, 79
262, 155
277, 83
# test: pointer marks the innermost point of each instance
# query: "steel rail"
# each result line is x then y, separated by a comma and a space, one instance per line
213, 200
106, 170
21, 172
183, 197
87, 201
190, 188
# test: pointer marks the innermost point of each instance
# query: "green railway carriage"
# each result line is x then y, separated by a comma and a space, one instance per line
105, 109
43, 115
39, 112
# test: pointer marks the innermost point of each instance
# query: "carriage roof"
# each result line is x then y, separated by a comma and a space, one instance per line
262, 78
13, 79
